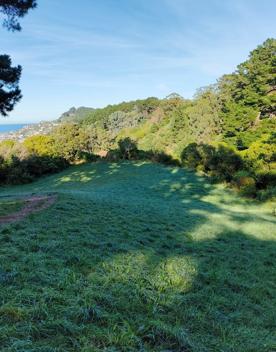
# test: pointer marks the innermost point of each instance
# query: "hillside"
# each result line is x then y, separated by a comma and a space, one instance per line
75, 114
227, 131
137, 257
139, 214
238, 110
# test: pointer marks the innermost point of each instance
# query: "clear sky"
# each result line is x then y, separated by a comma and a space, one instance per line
97, 52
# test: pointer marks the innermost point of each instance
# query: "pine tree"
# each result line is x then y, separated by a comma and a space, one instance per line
10, 93
13, 10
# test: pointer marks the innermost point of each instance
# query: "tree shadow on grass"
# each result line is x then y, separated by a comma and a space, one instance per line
139, 258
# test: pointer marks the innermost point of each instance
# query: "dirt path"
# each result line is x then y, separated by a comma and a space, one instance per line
31, 205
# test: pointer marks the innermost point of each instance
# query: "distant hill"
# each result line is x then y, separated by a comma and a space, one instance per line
75, 114
46, 127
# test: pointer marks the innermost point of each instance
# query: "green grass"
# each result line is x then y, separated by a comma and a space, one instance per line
138, 257
10, 206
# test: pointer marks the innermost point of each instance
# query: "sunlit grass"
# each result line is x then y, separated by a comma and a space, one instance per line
138, 257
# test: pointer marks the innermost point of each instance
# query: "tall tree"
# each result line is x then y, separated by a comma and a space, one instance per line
248, 94
10, 93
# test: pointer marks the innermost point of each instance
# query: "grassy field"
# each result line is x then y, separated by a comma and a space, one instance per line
138, 257
9, 206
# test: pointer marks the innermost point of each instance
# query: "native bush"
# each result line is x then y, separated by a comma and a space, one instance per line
221, 161
190, 156
128, 148
266, 179
225, 162
18, 166
245, 182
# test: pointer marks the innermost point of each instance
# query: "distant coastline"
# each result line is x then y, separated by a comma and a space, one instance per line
20, 131
5, 128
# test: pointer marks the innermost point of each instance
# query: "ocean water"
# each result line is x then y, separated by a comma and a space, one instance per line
12, 127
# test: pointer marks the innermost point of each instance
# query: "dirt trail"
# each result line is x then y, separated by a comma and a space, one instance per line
31, 205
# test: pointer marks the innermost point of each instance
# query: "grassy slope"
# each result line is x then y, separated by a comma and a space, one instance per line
138, 257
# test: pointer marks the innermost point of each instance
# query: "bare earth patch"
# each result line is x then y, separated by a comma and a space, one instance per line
31, 205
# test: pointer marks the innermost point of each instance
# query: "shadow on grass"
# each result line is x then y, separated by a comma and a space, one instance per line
139, 257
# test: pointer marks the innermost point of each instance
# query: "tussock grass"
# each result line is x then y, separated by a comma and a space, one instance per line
138, 257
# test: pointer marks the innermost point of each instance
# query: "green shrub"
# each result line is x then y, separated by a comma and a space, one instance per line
18, 175
38, 166
268, 193
190, 156
221, 162
163, 158
19, 171
266, 179
245, 183
113, 155
225, 163
128, 148
207, 154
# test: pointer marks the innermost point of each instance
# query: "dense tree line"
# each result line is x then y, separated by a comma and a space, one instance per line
226, 131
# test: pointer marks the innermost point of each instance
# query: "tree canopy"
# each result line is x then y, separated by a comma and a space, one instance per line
249, 92
13, 10
10, 93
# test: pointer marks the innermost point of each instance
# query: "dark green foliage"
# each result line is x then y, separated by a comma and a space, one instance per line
222, 161
128, 149
248, 94
245, 182
42, 165
256, 79
160, 157
266, 179
10, 93
17, 171
15, 9
240, 144
114, 155
225, 162
190, 156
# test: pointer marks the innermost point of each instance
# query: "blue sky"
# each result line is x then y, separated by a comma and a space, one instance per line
96, 52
